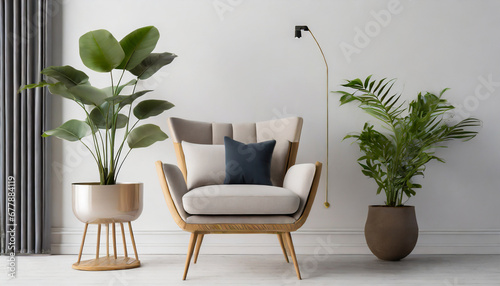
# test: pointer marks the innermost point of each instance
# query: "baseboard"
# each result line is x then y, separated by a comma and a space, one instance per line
67, 241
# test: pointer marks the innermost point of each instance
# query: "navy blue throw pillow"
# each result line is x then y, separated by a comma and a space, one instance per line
248, 163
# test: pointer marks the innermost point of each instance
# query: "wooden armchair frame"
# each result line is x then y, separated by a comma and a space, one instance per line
199, 230
186, 130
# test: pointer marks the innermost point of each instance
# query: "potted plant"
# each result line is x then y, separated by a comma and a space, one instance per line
412, 132
108, 121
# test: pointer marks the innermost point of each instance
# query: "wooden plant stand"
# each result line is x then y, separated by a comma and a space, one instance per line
108, 262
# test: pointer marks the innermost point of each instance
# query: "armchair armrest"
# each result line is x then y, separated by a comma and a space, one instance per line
173, 187
300, 179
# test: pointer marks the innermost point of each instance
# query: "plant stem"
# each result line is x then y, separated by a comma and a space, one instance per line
127, 131
95, 142
126, 155
120, 80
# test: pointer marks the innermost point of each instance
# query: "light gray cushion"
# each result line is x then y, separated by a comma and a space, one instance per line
176, 186
244, 132
284, 131
219, 131
205, 164
240, 200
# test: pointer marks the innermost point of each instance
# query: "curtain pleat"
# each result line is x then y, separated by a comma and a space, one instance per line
25, 31
2, 126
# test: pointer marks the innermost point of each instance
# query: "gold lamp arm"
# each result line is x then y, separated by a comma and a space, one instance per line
326, 204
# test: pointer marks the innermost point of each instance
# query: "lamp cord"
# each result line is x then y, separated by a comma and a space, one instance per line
326, 204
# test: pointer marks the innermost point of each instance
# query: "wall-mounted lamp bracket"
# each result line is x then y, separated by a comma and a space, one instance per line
299, 29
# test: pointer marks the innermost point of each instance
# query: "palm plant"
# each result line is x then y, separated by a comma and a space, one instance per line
107, 109
414, 131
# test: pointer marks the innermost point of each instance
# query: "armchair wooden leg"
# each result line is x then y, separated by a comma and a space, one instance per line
198, 245
292, 253
192, 242
280, 239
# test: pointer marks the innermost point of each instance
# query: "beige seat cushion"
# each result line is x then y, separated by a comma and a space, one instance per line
240, 200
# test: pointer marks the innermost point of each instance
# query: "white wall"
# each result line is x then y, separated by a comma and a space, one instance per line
243, 64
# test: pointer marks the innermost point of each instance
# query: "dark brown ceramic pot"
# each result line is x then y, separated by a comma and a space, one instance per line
391, 232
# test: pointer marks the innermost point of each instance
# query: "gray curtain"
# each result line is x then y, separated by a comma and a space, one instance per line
24, 195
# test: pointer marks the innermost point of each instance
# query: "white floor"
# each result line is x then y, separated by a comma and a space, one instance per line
446, 270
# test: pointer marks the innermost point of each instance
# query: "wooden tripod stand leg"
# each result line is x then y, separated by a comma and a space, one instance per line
192, 242
107, 239
107, 262
98, 241
280, 239
124, 241
114, 240
83, 242
197, 250
133, 240
292, 253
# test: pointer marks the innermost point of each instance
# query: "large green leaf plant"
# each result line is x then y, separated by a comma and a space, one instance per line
109, 109
413, 132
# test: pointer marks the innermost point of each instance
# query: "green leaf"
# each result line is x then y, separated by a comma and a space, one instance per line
379, 83
109, 90
443, 91
347, 97
67, 75
145, 135
61, 90
72, 130
151, 64
367, 81
137, 46
33, 85
121, 87
355, 83
152, 107
100, 51
394, 158
97, 116
123, 100
88, 94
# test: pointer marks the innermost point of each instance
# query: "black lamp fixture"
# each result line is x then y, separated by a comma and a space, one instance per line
298, 31
298, 34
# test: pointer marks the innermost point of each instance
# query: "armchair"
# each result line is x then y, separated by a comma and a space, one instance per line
200, 203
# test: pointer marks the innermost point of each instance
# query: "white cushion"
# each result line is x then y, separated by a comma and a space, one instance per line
240, 200
205, 164
299, 179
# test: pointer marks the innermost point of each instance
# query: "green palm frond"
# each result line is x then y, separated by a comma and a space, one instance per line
394, 159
